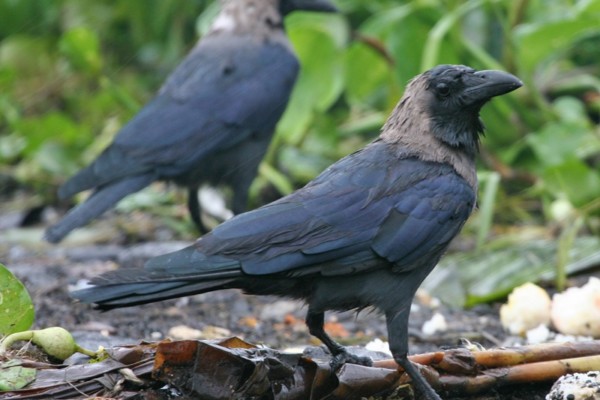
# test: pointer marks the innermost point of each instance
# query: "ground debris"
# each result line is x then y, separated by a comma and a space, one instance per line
232, 368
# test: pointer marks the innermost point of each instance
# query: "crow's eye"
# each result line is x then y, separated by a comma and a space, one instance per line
443, 89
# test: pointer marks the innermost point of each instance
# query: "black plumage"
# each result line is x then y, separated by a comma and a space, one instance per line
212, 120
366, 232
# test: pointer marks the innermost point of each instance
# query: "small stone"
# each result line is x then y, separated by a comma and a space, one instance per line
437, 323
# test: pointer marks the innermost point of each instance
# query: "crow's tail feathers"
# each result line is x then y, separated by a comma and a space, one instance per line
83, 180
103, 199
106, 297
181, 273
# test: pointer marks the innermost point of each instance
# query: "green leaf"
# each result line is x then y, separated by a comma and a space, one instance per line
81, 47
433, 46
318, 43
13, 376
557, 142
368, 75
538, 41
489, 182
404, 30
465, 279
575, 179
16, 307
588, 6
16, 53
11, 147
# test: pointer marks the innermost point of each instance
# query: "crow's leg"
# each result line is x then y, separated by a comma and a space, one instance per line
315, 322
397, 324
195, 209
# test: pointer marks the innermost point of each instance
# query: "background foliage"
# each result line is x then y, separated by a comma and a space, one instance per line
72, 73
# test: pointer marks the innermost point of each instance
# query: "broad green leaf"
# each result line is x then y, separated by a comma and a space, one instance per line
590, 7
571, 110
16, 307
368, 75
302, 165
557, 142
13, 376
318, 46
536, 42
573, 178
383, 22
465, 279
404, 30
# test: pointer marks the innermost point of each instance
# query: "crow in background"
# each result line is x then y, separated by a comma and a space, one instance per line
366, 232
212, 120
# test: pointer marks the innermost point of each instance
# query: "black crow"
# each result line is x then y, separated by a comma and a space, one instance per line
212, 120
365, 232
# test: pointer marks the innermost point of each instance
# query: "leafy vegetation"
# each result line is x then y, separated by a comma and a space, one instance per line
72, 73
17, 308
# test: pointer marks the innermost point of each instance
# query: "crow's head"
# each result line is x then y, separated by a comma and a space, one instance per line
261, 17
452, 96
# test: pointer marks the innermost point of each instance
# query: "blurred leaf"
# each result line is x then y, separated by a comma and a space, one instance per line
537, 41
579, 182
52, 126
81, 47
433, 46
358, 124
16, 305
368, 75
404, 30
11, 147
207, 17
13, 376
16, 54
468, 278
317, 41
146, 198
276, 178
54, 158
33, 15
301, 164
574, 85
557, 142
489, 183
588, 6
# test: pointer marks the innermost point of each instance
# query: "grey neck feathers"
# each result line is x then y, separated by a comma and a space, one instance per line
417, 134
259, 18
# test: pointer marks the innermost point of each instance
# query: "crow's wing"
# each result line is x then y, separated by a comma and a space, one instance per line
223, 91
368, 210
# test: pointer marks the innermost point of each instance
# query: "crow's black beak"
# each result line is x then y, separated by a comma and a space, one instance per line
483, 85
287, 6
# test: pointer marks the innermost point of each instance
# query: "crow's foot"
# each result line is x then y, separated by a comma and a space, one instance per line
346, 358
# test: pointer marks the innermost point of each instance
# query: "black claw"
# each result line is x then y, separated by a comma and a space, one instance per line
346, 358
